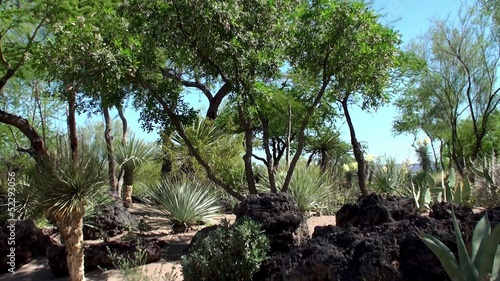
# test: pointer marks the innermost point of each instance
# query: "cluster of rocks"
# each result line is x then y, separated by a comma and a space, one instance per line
375, 239
27, 240
110, 220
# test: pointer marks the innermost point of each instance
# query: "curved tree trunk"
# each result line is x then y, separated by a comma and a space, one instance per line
119, 108
38, 150
71, 231
358, 152
109, 149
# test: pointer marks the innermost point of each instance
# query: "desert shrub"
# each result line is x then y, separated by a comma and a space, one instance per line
231, 253
310, 188
389, 178
486, 178
186, 201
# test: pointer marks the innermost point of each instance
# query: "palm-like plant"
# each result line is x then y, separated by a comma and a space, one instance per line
328, 147
130, 157
186, 201
310, 187
64, 189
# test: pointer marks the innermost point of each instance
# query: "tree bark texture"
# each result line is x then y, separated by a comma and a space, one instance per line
358, 152
71, 231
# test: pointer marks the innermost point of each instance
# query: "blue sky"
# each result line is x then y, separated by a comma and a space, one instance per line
411, 18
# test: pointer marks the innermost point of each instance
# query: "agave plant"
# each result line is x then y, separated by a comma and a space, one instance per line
186, 201
310, 188
484, 260
64, 189
130, 158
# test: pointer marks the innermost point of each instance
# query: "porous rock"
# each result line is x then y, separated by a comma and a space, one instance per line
281, 219
110, 220
28, 240
369, 249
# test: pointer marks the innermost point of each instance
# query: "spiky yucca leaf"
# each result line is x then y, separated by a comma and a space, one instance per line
134, 154
65, 187
186, 201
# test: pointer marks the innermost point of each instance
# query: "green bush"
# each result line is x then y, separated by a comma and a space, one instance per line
230, 253
310, 188
187, 202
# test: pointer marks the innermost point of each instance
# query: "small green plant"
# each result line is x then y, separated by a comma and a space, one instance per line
422, 196
231, 253
458, 192
486, 174
129, 266
483, 263
187, 202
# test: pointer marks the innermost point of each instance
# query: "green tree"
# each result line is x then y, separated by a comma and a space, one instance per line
460, 82
24, 25
160, 51
349, 54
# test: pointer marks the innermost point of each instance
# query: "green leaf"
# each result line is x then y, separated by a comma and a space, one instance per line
496, 264
430, 181
481, 232
487, 252
445, 256
466, 265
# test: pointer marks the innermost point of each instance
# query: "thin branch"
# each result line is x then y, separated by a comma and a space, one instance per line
190, 84
260, 158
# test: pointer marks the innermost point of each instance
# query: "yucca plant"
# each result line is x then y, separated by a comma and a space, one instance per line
130, 158
186, 201
64, 189
310, 188
389, 178
483, 263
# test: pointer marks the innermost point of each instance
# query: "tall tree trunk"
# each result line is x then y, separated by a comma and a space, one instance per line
269, 161
247, 157
71, 231
73, 139
288, 134
358, 152
109, 149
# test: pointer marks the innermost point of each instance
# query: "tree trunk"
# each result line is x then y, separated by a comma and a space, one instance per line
109, 148
128, 181
247, 157
288, 134
358, 152
73, 139
127, 196
71, 231
119, 108
269, 161
38, 150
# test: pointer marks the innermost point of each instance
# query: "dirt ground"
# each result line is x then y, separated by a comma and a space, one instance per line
169, 265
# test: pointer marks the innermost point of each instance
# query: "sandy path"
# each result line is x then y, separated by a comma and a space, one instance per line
38, 269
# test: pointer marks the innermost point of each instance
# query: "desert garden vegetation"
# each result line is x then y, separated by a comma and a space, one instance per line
276, 77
